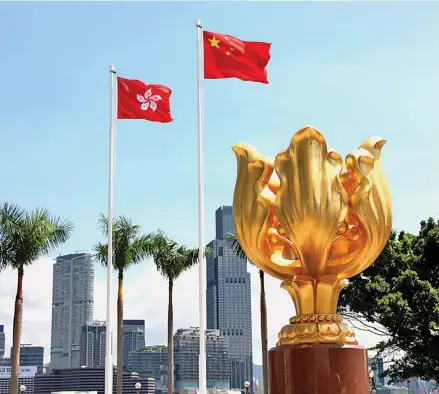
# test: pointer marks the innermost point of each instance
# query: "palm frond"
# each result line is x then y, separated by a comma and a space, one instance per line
140, 249
11, 216
11, 213
129, 248
125, 233
46, 231
101, 253
126, 225
103, 224
170, 258
26, 236
190, 258
59, 233
233, 243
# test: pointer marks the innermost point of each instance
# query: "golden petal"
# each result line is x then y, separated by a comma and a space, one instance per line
311, 203
375, 208
252, 210
370, 204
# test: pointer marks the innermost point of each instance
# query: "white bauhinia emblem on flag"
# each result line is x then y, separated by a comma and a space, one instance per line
148, 100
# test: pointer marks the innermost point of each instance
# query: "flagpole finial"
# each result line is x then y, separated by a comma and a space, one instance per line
199, 23
112, 69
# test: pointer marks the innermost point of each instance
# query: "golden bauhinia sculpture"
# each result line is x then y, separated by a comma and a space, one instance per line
312, 220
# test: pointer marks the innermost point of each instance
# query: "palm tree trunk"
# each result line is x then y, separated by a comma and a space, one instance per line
16, 333
120, 333
170, 341
264, 330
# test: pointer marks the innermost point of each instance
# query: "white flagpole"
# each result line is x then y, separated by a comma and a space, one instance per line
108, 336
201, 264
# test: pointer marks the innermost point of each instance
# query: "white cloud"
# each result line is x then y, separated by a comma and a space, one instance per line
146, 297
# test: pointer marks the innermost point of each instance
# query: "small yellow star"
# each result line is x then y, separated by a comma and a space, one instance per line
214, 42
227, 53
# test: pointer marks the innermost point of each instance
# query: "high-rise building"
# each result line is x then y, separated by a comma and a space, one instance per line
151, 361
186, 359
92, 344
228, 299
31, 356
133, 338
2, 341
72, 307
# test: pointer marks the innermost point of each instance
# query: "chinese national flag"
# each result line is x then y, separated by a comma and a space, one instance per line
137, 100
228, 57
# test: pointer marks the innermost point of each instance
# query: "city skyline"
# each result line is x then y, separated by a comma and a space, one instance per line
328, 68
223, 226
273, 291
83, 344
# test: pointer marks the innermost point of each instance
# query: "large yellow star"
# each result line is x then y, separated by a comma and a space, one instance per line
214, 42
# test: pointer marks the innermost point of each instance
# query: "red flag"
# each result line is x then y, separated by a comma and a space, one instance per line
228, 57
137, 100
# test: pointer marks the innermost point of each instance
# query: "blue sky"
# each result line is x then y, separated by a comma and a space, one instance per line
350, 69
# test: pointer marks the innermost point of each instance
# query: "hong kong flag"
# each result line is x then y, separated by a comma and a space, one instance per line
137, 100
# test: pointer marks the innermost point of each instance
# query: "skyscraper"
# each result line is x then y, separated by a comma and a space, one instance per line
72, 307
92, 344
2, 341
151, 361
186, 346
133, 338
31, 356
228, 299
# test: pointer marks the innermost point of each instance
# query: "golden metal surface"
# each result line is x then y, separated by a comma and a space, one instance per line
312, 220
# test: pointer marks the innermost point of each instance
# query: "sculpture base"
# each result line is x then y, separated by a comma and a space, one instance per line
318, 369
316, 328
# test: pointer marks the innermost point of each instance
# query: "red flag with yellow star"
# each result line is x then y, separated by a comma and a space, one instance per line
228, 57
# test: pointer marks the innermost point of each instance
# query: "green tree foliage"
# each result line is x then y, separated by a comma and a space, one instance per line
26, 236
129, 248
171, 260
399, 296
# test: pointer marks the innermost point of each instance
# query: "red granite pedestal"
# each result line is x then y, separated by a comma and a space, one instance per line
318, 369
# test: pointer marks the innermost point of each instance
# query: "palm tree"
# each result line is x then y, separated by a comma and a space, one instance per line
233, 242
171, 260
129, 248
25, 237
